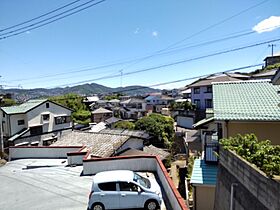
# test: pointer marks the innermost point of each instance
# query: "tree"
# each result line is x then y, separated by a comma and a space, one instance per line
186, 105
125, 125
7, 102
81, 113
160, 127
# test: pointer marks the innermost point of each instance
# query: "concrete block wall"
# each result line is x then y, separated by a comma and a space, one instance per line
254, 191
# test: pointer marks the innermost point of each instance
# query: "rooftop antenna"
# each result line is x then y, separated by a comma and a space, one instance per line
272, 45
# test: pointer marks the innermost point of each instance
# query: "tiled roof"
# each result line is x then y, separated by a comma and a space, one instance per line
101, 145
152, 150
125, 132
101, 111
209, 80
271, 73
23, 108
203, 174
247, 100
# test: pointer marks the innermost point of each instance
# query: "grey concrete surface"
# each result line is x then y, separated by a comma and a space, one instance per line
43, 184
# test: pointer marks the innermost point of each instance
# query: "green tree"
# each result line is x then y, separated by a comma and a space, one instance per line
80, 114
7, 102
160, 127
261, 153
125, 125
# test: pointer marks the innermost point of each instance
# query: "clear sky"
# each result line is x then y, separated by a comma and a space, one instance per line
124, 30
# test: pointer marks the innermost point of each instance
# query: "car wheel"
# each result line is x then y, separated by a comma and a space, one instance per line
151, 205
97, 206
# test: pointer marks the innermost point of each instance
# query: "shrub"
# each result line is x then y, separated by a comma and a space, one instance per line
260, 153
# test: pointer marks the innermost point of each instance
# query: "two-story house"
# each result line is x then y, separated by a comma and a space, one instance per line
133, 108
157, 102
202, 94
33, 118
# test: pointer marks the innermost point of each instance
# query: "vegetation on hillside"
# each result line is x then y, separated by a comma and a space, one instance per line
261, 153
81, 114
125, 125
159, 126
114, 96
7, 102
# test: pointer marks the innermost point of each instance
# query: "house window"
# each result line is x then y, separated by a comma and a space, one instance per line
4, 114
208, 103
196, 90
197, 103
20, 122
46, 117
209, 89
139, 106
47, 105
62, 120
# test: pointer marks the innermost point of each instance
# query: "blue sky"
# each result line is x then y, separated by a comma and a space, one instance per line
124, 30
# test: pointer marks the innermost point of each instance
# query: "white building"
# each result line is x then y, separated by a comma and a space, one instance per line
33, 118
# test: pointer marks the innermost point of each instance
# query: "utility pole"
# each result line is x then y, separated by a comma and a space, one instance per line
121, 76
271, 45
1, 133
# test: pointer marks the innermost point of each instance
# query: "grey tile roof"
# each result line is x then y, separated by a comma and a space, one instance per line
23, 108
209, 80
125, 132
101, 111
101, 145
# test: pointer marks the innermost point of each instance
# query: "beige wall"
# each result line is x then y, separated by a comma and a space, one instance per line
263, 130
205, 197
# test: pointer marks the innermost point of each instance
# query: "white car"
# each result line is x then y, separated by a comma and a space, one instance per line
123, 189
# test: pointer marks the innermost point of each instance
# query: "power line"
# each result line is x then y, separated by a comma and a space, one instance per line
176, 81
237, 35
40, 16
49, 22
173, 63
199, 32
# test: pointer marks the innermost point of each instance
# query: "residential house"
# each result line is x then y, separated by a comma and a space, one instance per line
35, 117
203, 181
251, 107
269, 74
91, 100
157, 102
100, 115
133, 108
270, 60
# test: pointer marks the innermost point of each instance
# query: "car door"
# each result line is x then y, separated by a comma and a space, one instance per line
129, 196
108, 195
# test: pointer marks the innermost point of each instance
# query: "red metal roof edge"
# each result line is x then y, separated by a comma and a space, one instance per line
50, 147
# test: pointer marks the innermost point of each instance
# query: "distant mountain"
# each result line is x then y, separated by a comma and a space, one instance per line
85, 89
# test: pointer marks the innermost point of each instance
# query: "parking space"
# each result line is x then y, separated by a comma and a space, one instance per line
45, 184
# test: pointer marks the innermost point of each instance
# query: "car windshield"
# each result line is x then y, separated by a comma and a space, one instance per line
142, 181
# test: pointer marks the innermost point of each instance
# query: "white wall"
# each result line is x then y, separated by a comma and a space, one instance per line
14, 123
35, 116
40, 152
137, 164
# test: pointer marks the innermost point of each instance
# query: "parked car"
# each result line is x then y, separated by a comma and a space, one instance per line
123, 189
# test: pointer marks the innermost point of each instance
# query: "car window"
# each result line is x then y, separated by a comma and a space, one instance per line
125, 186
109, 186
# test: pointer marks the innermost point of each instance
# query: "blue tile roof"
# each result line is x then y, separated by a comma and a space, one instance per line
204, 174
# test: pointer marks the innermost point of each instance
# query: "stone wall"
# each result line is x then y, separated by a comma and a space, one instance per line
254, 190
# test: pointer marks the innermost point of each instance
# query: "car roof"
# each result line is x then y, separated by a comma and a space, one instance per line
113, 176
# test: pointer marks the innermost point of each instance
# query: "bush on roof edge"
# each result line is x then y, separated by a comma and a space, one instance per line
260, 153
